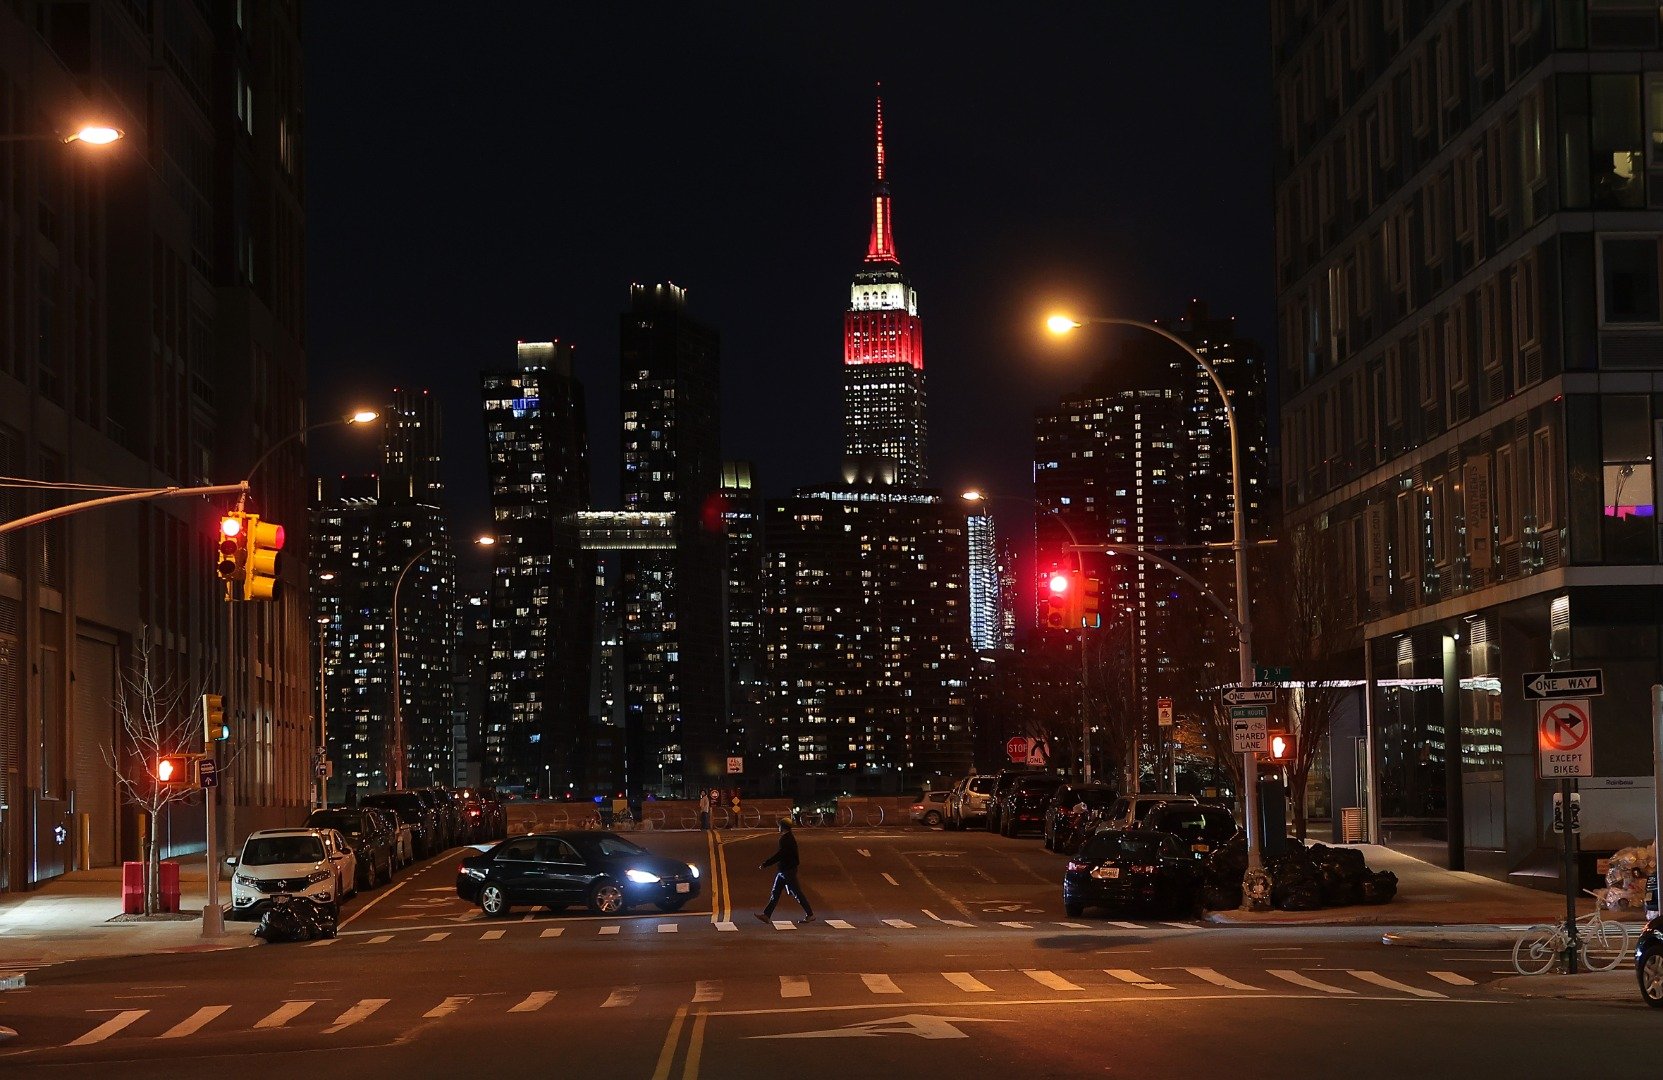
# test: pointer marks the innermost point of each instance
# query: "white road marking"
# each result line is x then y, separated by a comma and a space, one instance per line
967, 982
1451, 978
1126, 925
195, 1022
1018, 925
1209, 975
552, 931
784, 924
528, 916
794, 986
109, 1027
891, 880
380, 939
348, 920
447, 1006
880, 984
931, 914
1308, 983
864, 852
726, 926
622, 996
839, 924
1049, 979
440, 936
321, 942
707, 990
668, 928
1126, 975
959, 922
1074, 925
609, 929
534, 1001
492, 935
1392, 984
1180, 925
355, 1015
283, 1014
899, 924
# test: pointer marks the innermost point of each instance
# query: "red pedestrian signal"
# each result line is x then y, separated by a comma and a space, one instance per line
1281, 747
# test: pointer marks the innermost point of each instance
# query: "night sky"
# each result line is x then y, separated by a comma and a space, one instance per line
483, 173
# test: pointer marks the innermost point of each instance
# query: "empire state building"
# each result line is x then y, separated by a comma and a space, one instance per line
883, 357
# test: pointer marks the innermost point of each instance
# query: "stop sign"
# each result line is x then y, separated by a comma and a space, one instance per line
1016, 748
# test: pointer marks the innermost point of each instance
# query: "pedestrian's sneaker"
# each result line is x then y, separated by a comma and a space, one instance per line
762, 918
807, 918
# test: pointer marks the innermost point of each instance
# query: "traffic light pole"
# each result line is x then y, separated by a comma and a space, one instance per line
213, 916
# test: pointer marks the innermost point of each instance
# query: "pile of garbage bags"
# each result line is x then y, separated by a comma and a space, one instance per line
1625, 878
1303, 878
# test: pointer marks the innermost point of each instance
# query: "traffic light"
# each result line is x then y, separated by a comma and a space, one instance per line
1054, 596
233, 550
1091, 596
265, 540
176, 772
214, 727
1281, 747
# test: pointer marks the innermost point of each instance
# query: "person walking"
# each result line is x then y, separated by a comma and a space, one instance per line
784, 861
704, 809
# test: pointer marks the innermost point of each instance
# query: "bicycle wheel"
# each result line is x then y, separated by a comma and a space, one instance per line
1603, 945
1537, 950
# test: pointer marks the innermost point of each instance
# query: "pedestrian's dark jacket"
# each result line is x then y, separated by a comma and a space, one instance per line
786, 856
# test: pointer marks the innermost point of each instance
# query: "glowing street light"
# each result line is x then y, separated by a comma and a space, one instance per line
1061, 324
95, 135
485, 541
363, 416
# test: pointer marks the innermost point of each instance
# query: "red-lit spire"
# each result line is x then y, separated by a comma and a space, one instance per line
881, 246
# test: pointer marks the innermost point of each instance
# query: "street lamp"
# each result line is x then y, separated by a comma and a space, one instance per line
361, 416
1255, 884
91, 134
975, 496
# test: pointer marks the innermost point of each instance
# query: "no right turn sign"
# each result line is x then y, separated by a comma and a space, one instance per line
1564, 739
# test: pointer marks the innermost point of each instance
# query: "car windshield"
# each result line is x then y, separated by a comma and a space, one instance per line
350, 823
270, 850
1108, 846
606, 845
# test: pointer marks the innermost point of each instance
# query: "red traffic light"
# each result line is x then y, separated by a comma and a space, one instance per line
230, 525
1058, 584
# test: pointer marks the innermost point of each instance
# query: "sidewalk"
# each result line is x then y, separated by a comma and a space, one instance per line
1427, 895
69, 917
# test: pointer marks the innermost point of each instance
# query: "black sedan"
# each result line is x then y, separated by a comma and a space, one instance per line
558, 869
1063, 813
1648, 963
1121, 868
1200, 828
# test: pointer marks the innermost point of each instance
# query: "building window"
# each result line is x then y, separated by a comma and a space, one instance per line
1628, 281
1615, 142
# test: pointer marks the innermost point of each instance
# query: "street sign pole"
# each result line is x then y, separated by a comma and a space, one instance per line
1571, 946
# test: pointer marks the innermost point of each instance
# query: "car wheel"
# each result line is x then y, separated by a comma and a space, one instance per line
932, 818
1650, 973
669, 906
606, 898
1073, 911
493, 900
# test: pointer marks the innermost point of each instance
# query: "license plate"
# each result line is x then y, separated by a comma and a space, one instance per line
1108, 873
684, 886
1200, 847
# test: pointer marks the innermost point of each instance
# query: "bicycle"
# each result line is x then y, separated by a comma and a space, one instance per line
1600, 946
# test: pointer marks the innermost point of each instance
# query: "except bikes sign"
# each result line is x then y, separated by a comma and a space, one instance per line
1564, 739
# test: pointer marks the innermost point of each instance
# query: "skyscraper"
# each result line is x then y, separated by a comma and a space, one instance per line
883, 354
671, 597
742, 519
542, 582
985, 631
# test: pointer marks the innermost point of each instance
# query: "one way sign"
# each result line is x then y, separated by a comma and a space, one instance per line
1546, 685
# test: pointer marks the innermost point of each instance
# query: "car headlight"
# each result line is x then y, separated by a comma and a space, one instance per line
245, 880
691, 869
641, 877
318, 875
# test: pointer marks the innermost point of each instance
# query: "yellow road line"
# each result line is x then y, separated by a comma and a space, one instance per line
727, 887
668, 1053
715, 878
695, 1046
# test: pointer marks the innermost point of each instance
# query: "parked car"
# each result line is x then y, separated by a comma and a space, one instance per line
967, 802
1024, 803
344, 861
1126, 812
558, 869
1067, 805
930, 809
404, 837
1003, 781
1199, 828
470, 810
1123, 868
370, 837
415, 811
444, 815
274, 862
1648, 963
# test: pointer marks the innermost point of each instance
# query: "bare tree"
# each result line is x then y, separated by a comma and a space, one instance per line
1111, 677
159, 716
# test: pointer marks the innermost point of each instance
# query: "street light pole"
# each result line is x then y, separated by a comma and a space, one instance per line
395, 766
1255, 884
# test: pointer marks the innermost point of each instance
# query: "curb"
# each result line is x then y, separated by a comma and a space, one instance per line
1423, 939
1608, 987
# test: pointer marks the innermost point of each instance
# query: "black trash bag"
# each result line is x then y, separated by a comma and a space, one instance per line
1299, 898
295, 918
1226, 864
1218, 897
1378, 888
1340, 889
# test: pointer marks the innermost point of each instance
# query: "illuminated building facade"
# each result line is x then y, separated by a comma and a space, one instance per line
742, 520
985, 630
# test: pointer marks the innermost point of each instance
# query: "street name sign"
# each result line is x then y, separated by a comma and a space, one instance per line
1250, 729
1564, 739
1249, 695
1549, 685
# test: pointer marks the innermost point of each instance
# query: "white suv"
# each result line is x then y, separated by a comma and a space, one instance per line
281, 861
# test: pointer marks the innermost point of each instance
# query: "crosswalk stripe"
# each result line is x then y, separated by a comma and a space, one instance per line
959, 922
380, 939
321, 942
1308, 983
880, 984
1049, 979
447, 1006
195, 1022
899, 924
109, 1027
440, 936
1018, 925
552, 931
1451, 978
609, 929
668, 928
1180, 925
1126, 975
707, 990
355, 1015
839, 924
620, 997
283, 1014
726, 927
1209, 975
534, 1001
891, 880
1126, 925
1392, 984
967, 982
794, 986
784, 924
1075, 925
492, 935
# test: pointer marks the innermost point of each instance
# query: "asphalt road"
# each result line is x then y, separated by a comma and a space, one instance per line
935, 954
